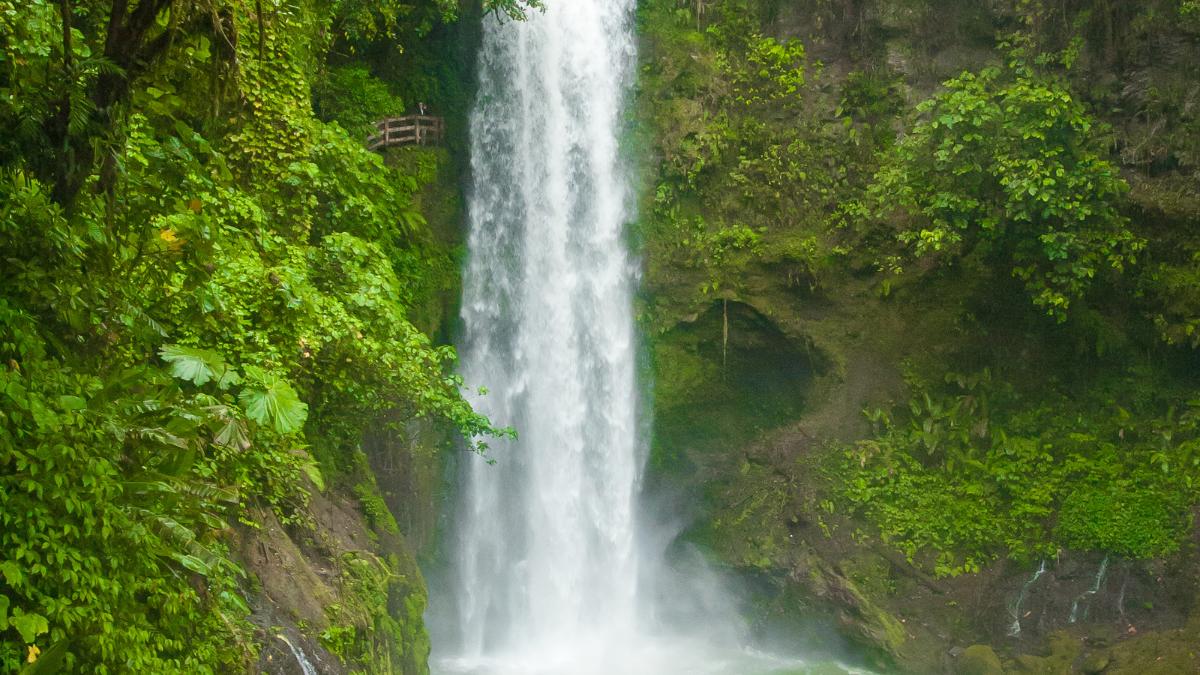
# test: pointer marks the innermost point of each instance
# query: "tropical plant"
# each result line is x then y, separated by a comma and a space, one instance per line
1008, 166
204, 299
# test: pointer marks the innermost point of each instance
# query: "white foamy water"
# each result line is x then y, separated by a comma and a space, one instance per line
547, 575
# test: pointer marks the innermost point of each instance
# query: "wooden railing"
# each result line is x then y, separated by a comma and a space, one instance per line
408, 130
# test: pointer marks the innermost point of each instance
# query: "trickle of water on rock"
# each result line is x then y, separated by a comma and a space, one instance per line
1087, 595
1015, 609
547, 575
306, 666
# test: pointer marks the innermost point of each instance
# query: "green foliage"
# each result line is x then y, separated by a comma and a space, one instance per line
753, 532
513, 9
975, 473
1127, 519
199, 366
870, 99
1006, 164
354, 98
769, 72
730, 111
233, 293
718, 253
871, 95
356, 22
1010, 183
271, 400
366, 628
112, 498
1175, 304
378, 514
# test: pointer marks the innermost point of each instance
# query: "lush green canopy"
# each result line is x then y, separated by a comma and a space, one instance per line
204, 298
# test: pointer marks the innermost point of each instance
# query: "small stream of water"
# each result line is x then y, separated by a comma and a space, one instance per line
1086, 596
306, 666
1015, 609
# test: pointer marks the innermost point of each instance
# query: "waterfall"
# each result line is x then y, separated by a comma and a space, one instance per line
546, 547
547, 574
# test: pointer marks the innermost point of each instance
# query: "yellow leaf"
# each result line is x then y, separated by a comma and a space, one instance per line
167, 235
34, 651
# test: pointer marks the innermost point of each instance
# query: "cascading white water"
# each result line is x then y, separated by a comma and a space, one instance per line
546, 563
547, 549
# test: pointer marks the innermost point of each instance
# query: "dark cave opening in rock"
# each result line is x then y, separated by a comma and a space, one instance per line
725, 378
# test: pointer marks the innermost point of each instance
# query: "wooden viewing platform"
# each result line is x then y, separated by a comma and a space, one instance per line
408, 130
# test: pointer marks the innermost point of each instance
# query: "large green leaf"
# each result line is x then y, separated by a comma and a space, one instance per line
236, 601
233, 435
313, 472
193, 563
29, 626
199, 366
272, 400
12, 573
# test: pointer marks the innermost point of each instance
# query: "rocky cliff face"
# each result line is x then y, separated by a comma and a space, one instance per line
769, 335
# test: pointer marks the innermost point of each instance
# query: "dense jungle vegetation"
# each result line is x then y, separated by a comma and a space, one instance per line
1045, 217
207, 292
209, 289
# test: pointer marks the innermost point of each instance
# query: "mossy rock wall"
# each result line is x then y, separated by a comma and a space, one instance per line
753, 429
